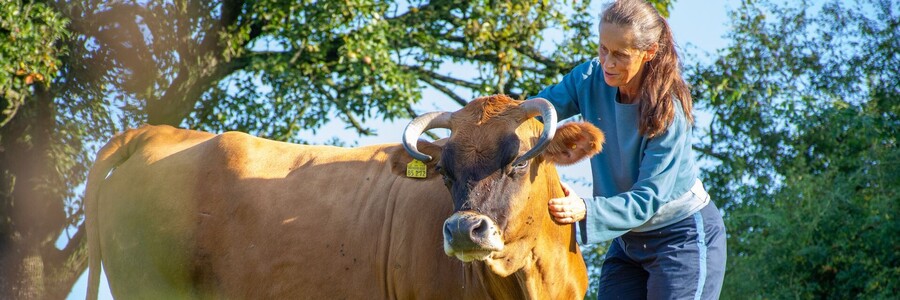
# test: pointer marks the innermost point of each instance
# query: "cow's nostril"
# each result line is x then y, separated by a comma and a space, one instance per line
479, 229
466, 232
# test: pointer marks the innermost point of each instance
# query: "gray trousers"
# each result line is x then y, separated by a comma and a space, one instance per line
685, 260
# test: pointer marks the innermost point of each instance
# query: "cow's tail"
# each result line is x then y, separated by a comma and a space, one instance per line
116, 151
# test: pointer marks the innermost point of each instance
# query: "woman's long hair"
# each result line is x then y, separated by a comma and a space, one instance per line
661, 79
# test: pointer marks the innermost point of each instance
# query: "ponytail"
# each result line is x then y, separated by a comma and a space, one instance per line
661, 81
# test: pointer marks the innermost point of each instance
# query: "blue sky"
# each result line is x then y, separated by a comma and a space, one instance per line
699, 27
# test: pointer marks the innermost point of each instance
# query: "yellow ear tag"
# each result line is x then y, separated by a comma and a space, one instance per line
416, 169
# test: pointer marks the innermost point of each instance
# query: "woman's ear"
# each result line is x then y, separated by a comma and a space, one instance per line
649, 54
573, 142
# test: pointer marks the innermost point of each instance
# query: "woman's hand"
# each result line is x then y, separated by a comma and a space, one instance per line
568, 209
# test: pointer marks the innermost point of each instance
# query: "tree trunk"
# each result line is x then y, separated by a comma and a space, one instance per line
32, 212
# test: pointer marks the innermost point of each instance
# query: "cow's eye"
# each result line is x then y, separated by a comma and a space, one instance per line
443, 171
444, 175
447, 181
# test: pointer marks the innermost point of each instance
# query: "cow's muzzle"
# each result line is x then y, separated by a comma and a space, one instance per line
471, 236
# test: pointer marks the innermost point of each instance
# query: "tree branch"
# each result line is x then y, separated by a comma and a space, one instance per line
413, 16
444, 78
535, 55
453, 52
350, 118
231, 10
15, 101
67, 264
709, 152
355, 123
186, 89
445, 90
196, 76
414, 115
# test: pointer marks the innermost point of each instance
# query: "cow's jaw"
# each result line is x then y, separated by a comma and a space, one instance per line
471, 236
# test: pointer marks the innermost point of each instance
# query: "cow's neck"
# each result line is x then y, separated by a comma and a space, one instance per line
545, 265
552, 269
556, 269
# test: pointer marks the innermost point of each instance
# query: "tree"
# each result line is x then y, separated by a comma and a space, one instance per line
30, 35
804, 140
270, 68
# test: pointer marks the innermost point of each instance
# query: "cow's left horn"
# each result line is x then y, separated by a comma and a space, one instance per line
438, 119
542, 107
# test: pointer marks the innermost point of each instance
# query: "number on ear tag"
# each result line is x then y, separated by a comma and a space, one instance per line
416, 169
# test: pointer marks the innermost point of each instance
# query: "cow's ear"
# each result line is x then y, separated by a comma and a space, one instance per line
573, 142
399, 159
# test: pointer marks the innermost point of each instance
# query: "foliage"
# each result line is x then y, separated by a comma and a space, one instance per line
828, 234
29, 52
593, 257
808, 91
275, 67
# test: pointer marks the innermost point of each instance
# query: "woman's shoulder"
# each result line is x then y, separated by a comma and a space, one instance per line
679, 122
590, 72
588, 68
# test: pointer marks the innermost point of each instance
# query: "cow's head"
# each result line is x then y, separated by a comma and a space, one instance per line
498, 165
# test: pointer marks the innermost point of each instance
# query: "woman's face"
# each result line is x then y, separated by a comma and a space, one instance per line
621, 61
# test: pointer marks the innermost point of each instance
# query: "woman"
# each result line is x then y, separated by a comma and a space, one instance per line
668, 237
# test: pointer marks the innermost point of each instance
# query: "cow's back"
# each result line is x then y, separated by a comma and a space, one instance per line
234, 216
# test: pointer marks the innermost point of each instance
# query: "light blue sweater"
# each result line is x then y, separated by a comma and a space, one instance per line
633, 176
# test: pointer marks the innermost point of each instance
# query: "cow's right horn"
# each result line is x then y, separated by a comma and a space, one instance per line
438, 119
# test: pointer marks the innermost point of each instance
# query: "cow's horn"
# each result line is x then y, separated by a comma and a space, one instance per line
419, 125
542, 107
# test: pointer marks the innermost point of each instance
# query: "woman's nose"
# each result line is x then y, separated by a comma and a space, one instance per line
607, 63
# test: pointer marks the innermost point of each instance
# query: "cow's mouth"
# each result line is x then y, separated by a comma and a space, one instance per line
472, 255
471, 236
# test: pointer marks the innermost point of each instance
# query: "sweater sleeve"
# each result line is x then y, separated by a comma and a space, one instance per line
610, 217
564, 95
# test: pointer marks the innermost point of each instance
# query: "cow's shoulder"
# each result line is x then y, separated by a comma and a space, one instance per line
162, 135
245, 153
154, 142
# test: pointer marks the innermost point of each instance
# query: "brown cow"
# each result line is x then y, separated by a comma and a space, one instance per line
188, 214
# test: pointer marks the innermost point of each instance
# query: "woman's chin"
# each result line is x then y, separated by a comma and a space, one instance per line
613, 82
